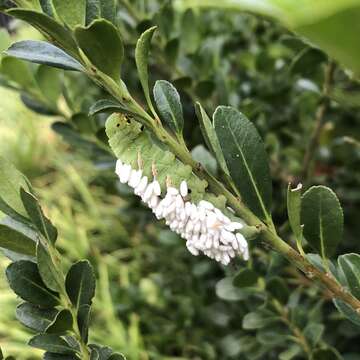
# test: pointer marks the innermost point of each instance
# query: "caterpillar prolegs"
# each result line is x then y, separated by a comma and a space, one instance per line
175, 193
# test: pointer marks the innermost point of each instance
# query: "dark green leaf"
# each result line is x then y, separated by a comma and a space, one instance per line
172, 50
83, 321
94, 355
169, 105
117, 356
71, 12
52, 356
245, 278
347, 311
294, 210
322, 217
44, 23
246, 158
325, 354
47, 7
42, 52
37, 106
204, 89
350, 266
11, 180
62, 323
141, 57
108, 10
313, 333
80, 283
24, 279
35, 213
106, 106
16, 241
258, 320
52, 343
92, 10
34, 317
48, 267
102, 44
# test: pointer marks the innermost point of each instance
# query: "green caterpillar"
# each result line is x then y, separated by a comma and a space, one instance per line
133, 145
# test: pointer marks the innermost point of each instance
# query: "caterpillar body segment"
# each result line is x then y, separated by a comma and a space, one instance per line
134, 146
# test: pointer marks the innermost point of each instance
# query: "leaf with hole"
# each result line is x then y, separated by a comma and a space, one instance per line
246, 158
322, 217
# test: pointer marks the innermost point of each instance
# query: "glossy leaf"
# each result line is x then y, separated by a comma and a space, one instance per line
210, 137
34, 317
52, 343
48, 26
71, 12
80, 283
169, 105
62, 323
35, 213
24, 279
49, 271
16, 241
141, 57
350, 266
102, 44
322, 217
42, 52
246, 158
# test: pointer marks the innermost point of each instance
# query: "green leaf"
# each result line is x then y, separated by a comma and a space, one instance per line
42, 52
322, 217
169, 105
350, 266
37, 106
49, 82
80, 283
347, 311
35, 318
25, 280
141, 58
108, 10
33, 209
202, 155
11, 180
259, 319
93, 10
294, 210
71, 12
245, 278
52, 343
278, 289
246, 158
117, 356
47, 7
19, 72
49, 272
106, 105
83, 320
314, 332
94, 355
52, 356
62, 323
16, 241
210, 137
226, 290
102, 44
325, 354
48, 26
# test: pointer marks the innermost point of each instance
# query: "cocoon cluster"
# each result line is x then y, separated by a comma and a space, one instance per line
204, 227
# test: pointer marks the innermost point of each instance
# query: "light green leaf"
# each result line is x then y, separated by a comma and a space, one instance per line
33, 209
141, 57
42, 52
169, 105
226, 290
34, 317
62, 323
259, 319
202, 155
48, 26
80, 283
24, 279
11, 180
52, 343
350, 266
71, 12
322, 217
102, 44
16, 241
246, 158
210, 137
49, 82
19, 72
